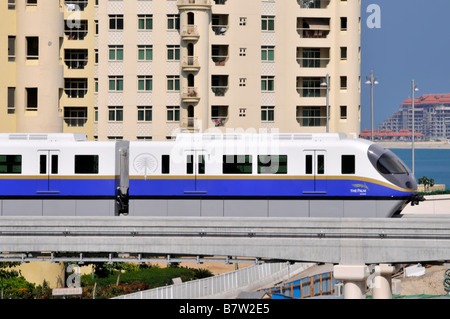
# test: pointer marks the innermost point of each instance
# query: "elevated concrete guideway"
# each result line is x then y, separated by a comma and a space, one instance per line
351, 240
350, 244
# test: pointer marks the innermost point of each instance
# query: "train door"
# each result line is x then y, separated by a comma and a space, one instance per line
315, 171
48, 163
196, 167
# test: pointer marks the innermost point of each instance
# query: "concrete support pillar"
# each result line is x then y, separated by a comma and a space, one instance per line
382, 281
354, 278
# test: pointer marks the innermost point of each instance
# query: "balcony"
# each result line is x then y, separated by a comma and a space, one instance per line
75, 116
311, 116
76, 5
219, 54
190, 95
76, 30
219, 115
313, 4
313, 57
75, 88
313, 28
219, 84
220, 24
76, 59
311, 87
190, 64
190, 33
194, 4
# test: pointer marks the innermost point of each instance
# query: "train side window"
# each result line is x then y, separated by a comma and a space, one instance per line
10, 164
55, 164
237, 164
272, 164
190, 164
165, 166
320, 164
309, 164
42, 164
201, 164
86, 164
348, 164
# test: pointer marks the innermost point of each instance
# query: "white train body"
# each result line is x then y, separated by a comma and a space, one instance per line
236, 175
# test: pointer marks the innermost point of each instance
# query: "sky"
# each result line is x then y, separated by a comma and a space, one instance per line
404, 40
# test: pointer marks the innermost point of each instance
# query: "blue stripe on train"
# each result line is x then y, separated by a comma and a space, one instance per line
259, 187
186, 187
58, 187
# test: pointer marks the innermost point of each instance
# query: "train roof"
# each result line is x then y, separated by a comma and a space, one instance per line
315, 137
53, 137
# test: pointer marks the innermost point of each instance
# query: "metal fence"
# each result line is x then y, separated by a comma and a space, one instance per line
226, 285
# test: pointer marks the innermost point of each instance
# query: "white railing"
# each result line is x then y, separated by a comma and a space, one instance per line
226, 285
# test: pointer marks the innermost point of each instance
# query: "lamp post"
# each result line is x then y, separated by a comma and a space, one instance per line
327, 84
413, 89
372, 81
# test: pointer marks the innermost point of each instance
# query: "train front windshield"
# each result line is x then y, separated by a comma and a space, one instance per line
388, 163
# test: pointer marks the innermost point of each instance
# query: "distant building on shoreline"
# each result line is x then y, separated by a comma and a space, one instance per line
431, 119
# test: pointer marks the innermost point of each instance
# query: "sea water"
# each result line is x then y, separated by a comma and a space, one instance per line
432, 163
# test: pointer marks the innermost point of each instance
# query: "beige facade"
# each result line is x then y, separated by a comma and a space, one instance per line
146, 69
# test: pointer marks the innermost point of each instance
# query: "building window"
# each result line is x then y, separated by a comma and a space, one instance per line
343, 53
173, 22
267, 53
145, 22
31, 99
116, 22
32, 48
343, 112
267, 113
145, 113
242, 21
267, 83
343, 83
243, 82
11, 4
242, 112
145, 52
116, 52
145, 83
116, 83
11, 48
11, 100
267, 23
173, 52
115, 113
173, 83
343, 24
173, 114
243, 52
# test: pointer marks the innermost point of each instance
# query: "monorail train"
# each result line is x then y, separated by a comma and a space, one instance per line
234, 175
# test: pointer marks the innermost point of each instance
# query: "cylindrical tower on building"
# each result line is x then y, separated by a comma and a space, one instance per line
40, 29
195, 22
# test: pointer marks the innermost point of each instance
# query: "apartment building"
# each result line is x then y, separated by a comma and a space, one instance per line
147, 69
431, 117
